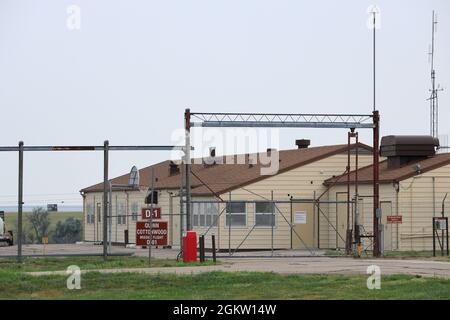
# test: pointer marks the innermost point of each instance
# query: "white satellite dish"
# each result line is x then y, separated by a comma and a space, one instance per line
134, 177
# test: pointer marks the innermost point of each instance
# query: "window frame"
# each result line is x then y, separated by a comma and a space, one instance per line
227, 214
200, 211
265, 213
121, 214
99, 212
134, 215
90, 216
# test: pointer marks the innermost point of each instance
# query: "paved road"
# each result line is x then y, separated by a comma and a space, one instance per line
285, 262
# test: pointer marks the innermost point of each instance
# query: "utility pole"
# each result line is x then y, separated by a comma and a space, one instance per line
376, 132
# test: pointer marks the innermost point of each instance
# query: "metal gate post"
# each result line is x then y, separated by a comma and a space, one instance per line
213, 246
348, 234
105, 199
20, 203
446, 229
434, 239
291, 222
187, 127
376, 185
272, 222
182, 203
229, 224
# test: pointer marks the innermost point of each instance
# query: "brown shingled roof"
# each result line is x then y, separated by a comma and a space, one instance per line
221, 178
389, 175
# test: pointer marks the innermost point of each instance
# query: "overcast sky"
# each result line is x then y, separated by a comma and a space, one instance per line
133, 67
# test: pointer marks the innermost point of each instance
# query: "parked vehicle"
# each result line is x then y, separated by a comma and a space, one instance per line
6, 237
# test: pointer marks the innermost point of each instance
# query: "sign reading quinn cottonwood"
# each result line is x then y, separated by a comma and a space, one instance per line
159, 233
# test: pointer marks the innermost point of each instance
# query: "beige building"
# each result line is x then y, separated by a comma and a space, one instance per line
413, 184
233, 201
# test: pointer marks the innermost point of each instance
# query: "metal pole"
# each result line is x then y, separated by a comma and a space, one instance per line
356, 225
348, 236
181, 202
434, 238
229, 223
202, 248
187, 125
446, 229
272, 223
376, 190
105, 199
20, 203
213, 244
151, 219
374, 59
110, 218
356, 162
291, 220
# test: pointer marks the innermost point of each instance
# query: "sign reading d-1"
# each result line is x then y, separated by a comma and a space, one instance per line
155, 213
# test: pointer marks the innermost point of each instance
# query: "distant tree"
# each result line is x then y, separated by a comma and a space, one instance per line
39, 222
68, 231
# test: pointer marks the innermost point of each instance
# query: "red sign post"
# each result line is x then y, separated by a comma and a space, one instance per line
159, 233
394, 219
146, 213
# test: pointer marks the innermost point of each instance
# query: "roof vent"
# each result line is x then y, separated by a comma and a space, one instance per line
211, 159
174, 169
401, 150
212, 152
302, 143
270, 150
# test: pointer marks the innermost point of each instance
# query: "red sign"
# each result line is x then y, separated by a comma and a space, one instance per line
159, 233
394, 219
155, 215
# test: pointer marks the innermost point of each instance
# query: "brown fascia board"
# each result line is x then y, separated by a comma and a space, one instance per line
300, 164
396, 179
430, 168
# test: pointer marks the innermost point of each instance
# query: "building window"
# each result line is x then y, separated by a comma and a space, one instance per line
204, 214
264, 214
121, 217
236, 214
90, 213
134, 211
99, 212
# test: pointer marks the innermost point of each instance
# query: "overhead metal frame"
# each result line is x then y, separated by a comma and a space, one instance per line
285, 120
21, 148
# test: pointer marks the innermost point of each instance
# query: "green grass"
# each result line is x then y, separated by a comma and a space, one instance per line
87, 262
219, 285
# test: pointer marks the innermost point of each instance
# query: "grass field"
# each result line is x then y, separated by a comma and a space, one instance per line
219, 285
15, 283
11, 218
88, 262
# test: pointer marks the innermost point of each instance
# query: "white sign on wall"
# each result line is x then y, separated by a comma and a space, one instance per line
300, 217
